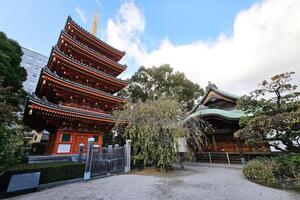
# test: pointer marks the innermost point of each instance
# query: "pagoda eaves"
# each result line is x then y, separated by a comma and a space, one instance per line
88, 53
113, 52
59, 58
47, 75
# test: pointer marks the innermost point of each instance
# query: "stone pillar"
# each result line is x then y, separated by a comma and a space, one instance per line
80, 153
127, 151
110, 155
89, 159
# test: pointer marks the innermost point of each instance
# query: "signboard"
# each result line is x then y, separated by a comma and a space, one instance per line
24, 181
182, 144
63, 148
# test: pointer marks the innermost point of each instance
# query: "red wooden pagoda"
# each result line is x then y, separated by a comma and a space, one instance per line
75, 92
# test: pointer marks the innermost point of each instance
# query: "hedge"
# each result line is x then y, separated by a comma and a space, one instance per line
282, 171
50, 172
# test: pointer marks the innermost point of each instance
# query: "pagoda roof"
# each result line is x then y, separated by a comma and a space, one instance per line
99, 55
88, 68
68, 111
72, 84
99, 41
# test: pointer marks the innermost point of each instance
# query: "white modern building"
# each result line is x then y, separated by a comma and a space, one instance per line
33, 62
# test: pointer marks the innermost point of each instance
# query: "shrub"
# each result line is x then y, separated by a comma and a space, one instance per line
50, 172
261, 171
288, 165
298, 181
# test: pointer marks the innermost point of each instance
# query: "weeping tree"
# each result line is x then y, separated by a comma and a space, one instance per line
275, 120
154, 128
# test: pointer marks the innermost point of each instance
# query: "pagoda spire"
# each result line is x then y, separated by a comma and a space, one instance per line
95, 24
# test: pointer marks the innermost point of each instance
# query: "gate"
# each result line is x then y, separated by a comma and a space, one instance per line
105, 160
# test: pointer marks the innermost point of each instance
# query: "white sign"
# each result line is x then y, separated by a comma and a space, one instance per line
181, 144
63, 148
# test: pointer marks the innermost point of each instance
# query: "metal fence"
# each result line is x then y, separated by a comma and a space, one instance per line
104, 160
107, 160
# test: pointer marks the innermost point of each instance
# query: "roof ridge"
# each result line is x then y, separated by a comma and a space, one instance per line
70, 18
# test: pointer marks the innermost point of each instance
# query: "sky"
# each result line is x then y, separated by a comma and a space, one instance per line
234, 44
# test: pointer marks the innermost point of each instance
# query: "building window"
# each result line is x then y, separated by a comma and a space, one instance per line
65, 138
96, 138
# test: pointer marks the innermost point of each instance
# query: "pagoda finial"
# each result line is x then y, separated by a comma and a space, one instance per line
95, 24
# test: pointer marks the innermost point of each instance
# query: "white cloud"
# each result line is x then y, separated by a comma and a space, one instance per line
265, 41
124, 31
81, 14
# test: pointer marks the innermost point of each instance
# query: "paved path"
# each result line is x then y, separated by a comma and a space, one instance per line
195, 182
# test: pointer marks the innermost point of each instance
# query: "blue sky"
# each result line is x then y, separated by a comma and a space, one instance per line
36, 24
235, 44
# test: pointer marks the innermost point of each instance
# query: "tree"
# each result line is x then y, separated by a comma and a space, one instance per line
154, 127
161, 82
110, 138
11, 135
11, 71
12, 96
274, 120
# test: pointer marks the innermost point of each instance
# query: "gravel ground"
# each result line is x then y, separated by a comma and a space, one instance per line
195, 182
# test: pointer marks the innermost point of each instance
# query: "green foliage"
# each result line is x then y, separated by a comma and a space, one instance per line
50, 172
8, 112
273, 120
261, 171
298, 181
161, 82
275, 171
12, 97
153, 127
11, 134
11, 145
288, 165
10, 69
109, 138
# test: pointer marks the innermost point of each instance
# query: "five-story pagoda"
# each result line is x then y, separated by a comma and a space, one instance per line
75, 92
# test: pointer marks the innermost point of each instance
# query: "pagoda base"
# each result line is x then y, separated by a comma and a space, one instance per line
67, 142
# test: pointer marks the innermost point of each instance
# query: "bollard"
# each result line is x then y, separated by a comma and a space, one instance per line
89, 159
80, 154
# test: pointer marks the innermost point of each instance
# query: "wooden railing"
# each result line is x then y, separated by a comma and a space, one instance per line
231, 157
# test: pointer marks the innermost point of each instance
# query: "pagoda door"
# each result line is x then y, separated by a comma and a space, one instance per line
80, 139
